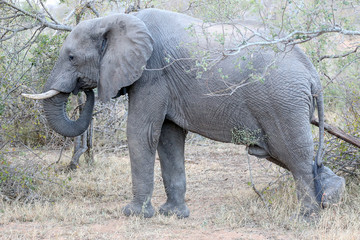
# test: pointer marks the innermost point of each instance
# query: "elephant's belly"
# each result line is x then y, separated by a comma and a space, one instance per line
222, 135
215, 121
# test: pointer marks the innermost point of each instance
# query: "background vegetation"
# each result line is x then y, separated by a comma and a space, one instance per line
31, 34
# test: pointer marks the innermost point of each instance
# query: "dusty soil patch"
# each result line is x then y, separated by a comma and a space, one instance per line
222, 204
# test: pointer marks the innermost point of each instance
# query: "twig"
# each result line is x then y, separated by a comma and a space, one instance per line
282, 18
67, 18
331, 80
287, 173
352, 173
340, 55
253, 185
30, 150
4, 144
61, 151
38, 17
93, 9
50, 15
12, 16
169, 64
14, 31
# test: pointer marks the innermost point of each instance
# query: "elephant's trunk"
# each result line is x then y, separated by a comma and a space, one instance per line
59, 121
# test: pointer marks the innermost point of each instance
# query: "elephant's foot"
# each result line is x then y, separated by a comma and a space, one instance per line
180, 210
145, 210
333, 187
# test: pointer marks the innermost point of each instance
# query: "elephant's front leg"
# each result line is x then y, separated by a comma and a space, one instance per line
142, 147
171, 153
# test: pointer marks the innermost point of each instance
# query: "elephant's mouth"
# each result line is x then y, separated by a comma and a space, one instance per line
84, 84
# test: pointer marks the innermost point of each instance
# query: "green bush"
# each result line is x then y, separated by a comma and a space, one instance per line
22, 119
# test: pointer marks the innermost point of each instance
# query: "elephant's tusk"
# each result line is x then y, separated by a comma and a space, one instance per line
40, 96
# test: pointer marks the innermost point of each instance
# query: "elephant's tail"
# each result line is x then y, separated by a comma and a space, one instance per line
318, 165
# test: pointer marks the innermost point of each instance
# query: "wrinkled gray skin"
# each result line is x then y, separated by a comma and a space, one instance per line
333, 187
164, 103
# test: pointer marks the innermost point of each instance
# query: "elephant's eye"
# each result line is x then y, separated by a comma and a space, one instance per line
71, 57
103, 45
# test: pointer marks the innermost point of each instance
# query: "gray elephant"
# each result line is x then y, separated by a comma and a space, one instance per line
260, 96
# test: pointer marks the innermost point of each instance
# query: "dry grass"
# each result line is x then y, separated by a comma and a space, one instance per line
87, 204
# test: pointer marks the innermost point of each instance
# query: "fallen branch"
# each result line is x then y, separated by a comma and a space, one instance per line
338, 133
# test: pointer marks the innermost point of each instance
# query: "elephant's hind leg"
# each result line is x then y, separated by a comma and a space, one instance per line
171, 153
293, 147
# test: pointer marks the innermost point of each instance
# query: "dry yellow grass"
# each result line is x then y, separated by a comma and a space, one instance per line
222, 204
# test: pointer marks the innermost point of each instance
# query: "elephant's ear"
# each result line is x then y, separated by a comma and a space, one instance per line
126, 46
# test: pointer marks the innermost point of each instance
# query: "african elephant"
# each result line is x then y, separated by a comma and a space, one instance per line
180, 76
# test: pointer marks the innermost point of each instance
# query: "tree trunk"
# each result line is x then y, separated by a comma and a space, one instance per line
82, 143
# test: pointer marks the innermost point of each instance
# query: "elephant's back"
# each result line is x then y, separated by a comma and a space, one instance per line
165, 25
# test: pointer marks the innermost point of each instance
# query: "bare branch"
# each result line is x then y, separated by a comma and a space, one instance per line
47, 11
69, 15
15, 31
39, 17
12, 16
29, 4
18, 9
331, 80
282, 18
169, 64
296, 37
340, 55
91, 6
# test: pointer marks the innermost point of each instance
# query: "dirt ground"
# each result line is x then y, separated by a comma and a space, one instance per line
221, 201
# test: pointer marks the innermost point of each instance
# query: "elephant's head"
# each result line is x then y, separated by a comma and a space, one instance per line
108, 53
